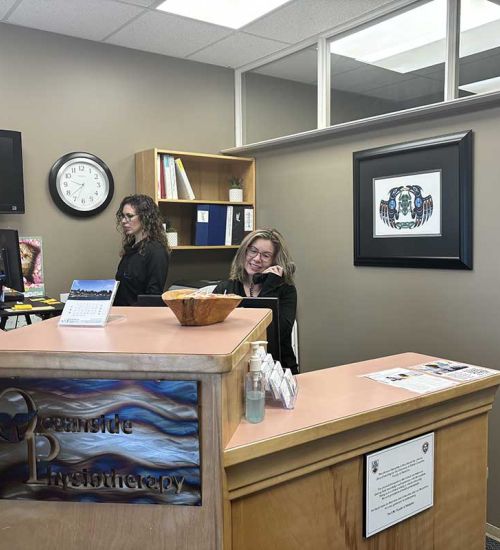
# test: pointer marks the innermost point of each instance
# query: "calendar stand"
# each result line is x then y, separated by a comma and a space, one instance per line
89, 303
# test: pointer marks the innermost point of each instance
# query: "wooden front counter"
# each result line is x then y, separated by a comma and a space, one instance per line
138, 343
294, 481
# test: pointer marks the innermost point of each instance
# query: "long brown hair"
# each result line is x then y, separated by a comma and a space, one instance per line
150, 218
282, 256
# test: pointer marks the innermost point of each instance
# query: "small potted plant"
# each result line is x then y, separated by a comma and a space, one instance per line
172, 236
235, 189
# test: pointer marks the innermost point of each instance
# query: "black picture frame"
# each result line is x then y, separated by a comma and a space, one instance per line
450, 247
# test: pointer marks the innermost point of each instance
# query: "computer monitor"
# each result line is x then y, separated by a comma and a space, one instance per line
11, 273
273, 330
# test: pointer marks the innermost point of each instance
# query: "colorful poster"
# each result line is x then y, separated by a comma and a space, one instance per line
128, 441
32, 265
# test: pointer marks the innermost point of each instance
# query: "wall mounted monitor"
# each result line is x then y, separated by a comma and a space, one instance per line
11, 173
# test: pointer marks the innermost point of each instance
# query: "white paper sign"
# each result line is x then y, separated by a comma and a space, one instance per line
248, 226
202, 216
399, 483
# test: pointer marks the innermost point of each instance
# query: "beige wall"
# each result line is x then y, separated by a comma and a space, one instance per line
349, 313
66, 94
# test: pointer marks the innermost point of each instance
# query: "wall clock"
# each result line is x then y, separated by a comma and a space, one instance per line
81, 184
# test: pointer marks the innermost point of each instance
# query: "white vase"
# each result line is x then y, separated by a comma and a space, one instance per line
172, 239
235, 195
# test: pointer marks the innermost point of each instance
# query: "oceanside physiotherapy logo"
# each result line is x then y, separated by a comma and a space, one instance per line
23, 424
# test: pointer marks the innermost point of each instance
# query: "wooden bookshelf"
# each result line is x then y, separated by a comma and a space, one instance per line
209, 177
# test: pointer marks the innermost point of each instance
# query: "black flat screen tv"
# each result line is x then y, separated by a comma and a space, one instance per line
11, 173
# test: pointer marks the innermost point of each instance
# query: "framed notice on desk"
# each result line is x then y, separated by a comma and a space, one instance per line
89, 303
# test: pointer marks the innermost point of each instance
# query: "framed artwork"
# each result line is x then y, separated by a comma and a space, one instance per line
413, 204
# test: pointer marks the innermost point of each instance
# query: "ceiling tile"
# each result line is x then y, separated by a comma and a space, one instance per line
90, 19
167, 34
237, 50
5, 6
301, 19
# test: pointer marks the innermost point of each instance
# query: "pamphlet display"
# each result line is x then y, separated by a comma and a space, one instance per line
89, 303
399, 483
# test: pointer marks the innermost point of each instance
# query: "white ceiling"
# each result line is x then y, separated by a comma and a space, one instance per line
137, 24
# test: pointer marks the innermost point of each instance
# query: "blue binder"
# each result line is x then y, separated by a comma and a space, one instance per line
201, 225
217, 225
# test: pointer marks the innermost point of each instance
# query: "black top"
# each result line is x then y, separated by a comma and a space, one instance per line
142, 272
274, 287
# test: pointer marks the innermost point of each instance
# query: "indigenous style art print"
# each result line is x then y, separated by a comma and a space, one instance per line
413, 204
407, 205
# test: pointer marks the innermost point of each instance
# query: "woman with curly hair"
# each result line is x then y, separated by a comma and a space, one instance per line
143, 267
263, 267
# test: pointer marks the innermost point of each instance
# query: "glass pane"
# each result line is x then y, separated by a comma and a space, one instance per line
389, 66
281, 97
479, 47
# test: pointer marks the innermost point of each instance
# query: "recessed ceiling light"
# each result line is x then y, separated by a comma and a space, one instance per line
416, 38
482, 86
227, 13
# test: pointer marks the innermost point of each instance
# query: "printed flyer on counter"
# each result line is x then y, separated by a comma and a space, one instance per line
428, 377
454, 370
412, 380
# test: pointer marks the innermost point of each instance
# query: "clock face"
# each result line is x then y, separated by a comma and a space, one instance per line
81, 184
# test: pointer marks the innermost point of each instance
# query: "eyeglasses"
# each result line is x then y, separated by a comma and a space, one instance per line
128, 217
253, 252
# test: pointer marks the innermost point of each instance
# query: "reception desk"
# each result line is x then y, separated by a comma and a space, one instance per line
293, 481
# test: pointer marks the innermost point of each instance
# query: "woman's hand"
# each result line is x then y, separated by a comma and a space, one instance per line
276, 269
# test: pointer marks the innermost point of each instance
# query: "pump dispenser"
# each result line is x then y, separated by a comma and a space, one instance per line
255, 393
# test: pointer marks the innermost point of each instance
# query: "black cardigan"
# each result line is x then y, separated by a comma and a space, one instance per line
142, 272
274, 287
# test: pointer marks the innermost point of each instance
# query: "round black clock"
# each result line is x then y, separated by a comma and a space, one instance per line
81, 184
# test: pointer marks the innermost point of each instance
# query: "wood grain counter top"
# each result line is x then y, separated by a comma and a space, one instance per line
134, 340
337, 399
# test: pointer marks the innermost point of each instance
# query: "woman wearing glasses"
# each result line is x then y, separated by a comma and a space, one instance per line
145, 252
263, 267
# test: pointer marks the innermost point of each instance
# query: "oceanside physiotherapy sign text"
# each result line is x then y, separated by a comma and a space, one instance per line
131, 441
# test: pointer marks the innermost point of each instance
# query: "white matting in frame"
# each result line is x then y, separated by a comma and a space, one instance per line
407, 205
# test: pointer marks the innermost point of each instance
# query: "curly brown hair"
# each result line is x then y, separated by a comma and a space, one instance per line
150, 218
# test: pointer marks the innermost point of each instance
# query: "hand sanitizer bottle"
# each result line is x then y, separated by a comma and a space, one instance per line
255, 393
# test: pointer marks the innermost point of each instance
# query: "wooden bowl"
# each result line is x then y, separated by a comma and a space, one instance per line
194, 309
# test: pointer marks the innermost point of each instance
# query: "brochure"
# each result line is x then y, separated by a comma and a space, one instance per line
412, 380
454, 370
89, 303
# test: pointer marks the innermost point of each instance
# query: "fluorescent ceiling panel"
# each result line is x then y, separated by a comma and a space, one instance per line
416, 38
228, 13
482, 86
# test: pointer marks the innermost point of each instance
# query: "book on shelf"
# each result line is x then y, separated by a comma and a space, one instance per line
169, 190
89, 303
184, 186
161, 178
